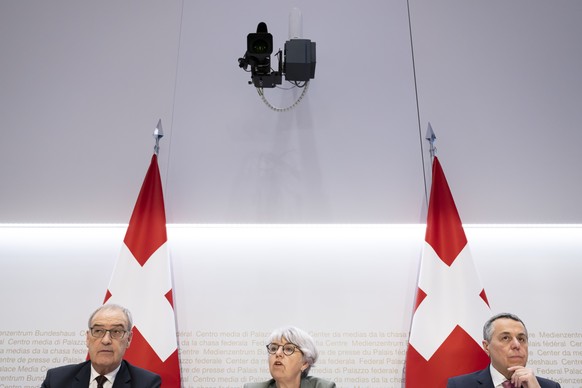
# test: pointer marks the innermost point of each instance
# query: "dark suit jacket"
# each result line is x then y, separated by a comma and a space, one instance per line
78, 375
306, 382
482, 379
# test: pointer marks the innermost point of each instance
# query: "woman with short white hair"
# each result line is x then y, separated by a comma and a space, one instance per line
292, 353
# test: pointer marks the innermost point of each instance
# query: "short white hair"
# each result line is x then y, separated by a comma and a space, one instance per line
113, 307
300, 338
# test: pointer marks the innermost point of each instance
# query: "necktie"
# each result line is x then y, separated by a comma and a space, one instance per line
507, 384
100, 381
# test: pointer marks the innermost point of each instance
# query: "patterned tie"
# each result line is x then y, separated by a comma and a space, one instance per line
507, 384
100, 381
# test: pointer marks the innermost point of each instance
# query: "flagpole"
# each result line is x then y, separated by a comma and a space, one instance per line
158, 134
431, 137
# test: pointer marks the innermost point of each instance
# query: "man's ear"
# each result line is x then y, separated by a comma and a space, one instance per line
486, 347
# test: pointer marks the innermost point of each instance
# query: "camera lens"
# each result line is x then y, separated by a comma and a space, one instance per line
260, 47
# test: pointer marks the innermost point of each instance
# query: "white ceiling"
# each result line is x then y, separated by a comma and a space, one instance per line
83, 84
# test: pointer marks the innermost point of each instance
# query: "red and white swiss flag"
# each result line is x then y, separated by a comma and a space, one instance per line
142, 282
451, 305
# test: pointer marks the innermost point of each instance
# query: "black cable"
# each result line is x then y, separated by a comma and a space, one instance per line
417, 104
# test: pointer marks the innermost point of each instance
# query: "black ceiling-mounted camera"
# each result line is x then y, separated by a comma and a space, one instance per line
298, 66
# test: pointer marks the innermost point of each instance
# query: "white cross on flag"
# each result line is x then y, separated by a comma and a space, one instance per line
451, 305
142, 282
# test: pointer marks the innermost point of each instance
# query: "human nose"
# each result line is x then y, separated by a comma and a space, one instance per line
106, 338
515, 343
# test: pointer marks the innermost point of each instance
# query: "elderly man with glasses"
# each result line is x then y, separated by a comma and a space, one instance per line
108, 337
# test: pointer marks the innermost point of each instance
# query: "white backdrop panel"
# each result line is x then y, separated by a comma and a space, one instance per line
351, 286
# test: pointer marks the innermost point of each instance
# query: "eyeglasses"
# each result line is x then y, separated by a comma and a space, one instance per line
288, 349
98, 332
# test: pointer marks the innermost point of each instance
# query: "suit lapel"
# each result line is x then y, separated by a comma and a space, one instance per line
484, 379
83, 376
123, 378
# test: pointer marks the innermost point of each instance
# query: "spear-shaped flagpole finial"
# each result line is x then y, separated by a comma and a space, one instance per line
158, 134
431, 137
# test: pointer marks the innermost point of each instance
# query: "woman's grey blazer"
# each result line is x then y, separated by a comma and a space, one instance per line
306, 382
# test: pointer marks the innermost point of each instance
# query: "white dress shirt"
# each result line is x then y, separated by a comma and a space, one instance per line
497, 377
110, 378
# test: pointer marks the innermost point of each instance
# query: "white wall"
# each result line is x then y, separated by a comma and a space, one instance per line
342, 283
83, 85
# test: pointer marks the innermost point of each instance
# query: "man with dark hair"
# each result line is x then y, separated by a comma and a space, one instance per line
505, 340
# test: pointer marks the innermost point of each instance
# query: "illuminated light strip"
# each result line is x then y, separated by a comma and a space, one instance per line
176, 226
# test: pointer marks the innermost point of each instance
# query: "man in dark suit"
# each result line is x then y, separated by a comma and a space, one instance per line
108, 337
505, 340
